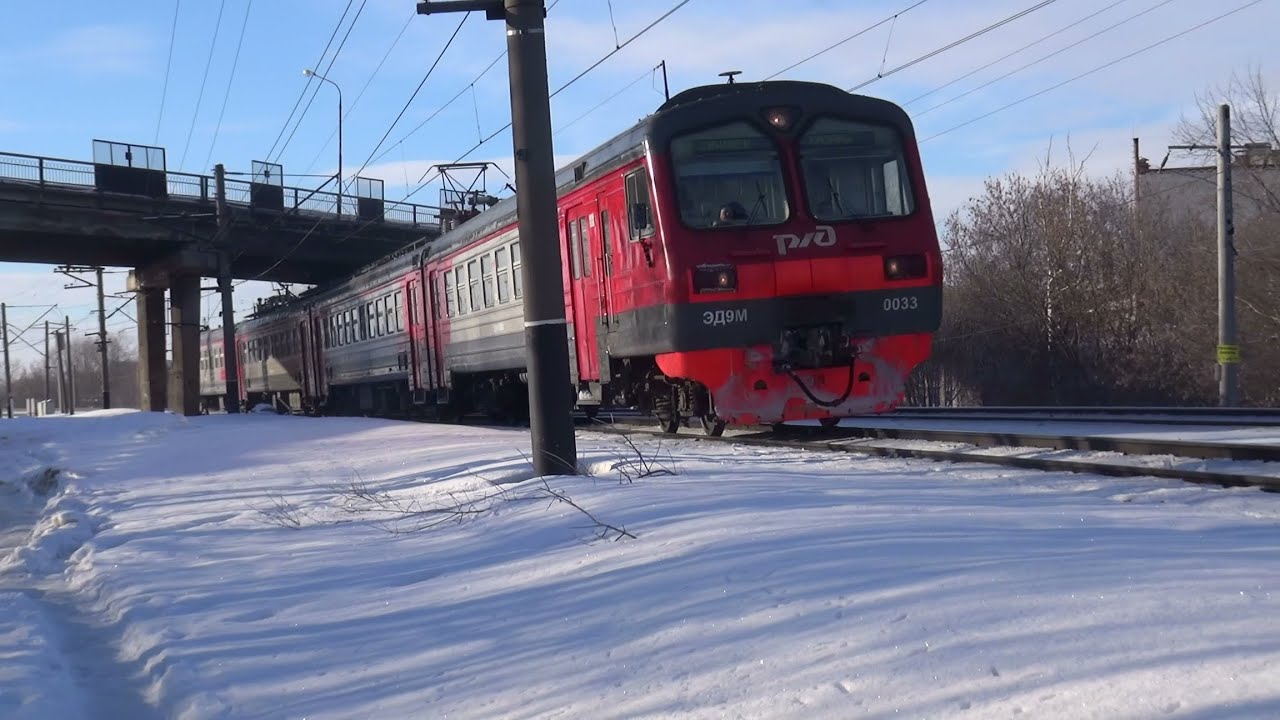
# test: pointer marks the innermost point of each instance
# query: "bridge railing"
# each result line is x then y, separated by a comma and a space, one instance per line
57, 172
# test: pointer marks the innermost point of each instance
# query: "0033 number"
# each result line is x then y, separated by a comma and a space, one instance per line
901, 303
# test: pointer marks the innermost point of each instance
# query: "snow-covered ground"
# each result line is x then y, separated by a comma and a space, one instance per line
261, 566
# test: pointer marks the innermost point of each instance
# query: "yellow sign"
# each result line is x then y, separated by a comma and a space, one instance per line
1228, 354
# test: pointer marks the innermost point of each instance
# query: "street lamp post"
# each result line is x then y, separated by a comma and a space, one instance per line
312, 73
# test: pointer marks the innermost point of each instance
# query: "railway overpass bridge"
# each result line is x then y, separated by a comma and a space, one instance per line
125, 209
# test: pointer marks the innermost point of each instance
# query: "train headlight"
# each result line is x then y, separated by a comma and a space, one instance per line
781, 118
905, 267
715, 278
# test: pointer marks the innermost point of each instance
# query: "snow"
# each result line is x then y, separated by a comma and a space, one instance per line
257, 566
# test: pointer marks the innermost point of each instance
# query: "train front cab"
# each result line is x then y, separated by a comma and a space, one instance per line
805, 278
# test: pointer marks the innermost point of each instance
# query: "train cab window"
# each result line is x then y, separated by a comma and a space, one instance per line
450, 301
486, 269
729, 175
516, 281
503, 261
473, 277
853, 170
639, 211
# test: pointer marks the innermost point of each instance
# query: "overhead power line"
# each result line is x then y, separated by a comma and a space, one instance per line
1046, 57
306, 87
953, 45
416, 90
359, 95
837, 44
222, 4
1029, 45
1090, 72
328, 68
164, 90
231, 79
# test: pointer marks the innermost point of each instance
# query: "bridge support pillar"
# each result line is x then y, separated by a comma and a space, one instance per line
184, 318
151, 356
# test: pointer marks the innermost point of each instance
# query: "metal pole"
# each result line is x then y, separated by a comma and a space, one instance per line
102, 345
546, 334
1228, 350
666, 89
1136, 172
231, 400
62, 380
339, 147
71, 369
8, 381
47, 391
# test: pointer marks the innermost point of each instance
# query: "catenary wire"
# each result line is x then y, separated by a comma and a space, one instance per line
1029, 45
213, 44
1046, 57
303, 92
164, 90
227, 95
1090, 72
327, 69
955, 44
856, 35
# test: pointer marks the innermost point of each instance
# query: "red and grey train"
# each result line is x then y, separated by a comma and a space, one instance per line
749, 253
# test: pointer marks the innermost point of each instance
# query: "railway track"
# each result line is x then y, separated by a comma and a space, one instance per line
979, 445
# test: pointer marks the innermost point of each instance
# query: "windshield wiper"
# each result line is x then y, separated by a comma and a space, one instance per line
759, 203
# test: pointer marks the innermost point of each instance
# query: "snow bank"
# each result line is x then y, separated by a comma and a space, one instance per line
266, 565
35, 681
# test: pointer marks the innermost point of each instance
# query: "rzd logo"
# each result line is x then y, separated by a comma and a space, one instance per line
822, 236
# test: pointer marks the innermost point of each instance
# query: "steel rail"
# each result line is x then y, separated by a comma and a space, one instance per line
862, 446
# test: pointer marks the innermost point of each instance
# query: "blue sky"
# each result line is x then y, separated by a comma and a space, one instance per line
73, 72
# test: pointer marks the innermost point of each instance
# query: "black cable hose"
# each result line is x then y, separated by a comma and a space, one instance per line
848, 390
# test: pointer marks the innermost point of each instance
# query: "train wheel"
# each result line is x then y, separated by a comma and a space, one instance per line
829, 422
712, 425
664, 408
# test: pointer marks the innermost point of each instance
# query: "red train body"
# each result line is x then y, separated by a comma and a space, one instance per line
750, 253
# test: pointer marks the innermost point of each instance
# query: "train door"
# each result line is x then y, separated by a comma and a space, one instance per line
419, 366
306, 371
607, 205
581, 228
437, 314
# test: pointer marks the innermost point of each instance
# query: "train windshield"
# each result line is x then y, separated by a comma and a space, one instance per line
729, 175
853, 170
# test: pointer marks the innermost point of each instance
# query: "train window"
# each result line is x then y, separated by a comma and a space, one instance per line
399, 311
450, 302
638, 208
606, 242
380, 322
516, 281
473, 277
853, 170
575, 254
460, 285
584, 236
503, 261
729, 175
486, 269
366, 322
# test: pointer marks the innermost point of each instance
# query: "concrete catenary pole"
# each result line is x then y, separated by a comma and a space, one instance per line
8, 380
62, 378
546, 334
1228, 350
71, 369
102, 344
47, 390
231, 401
